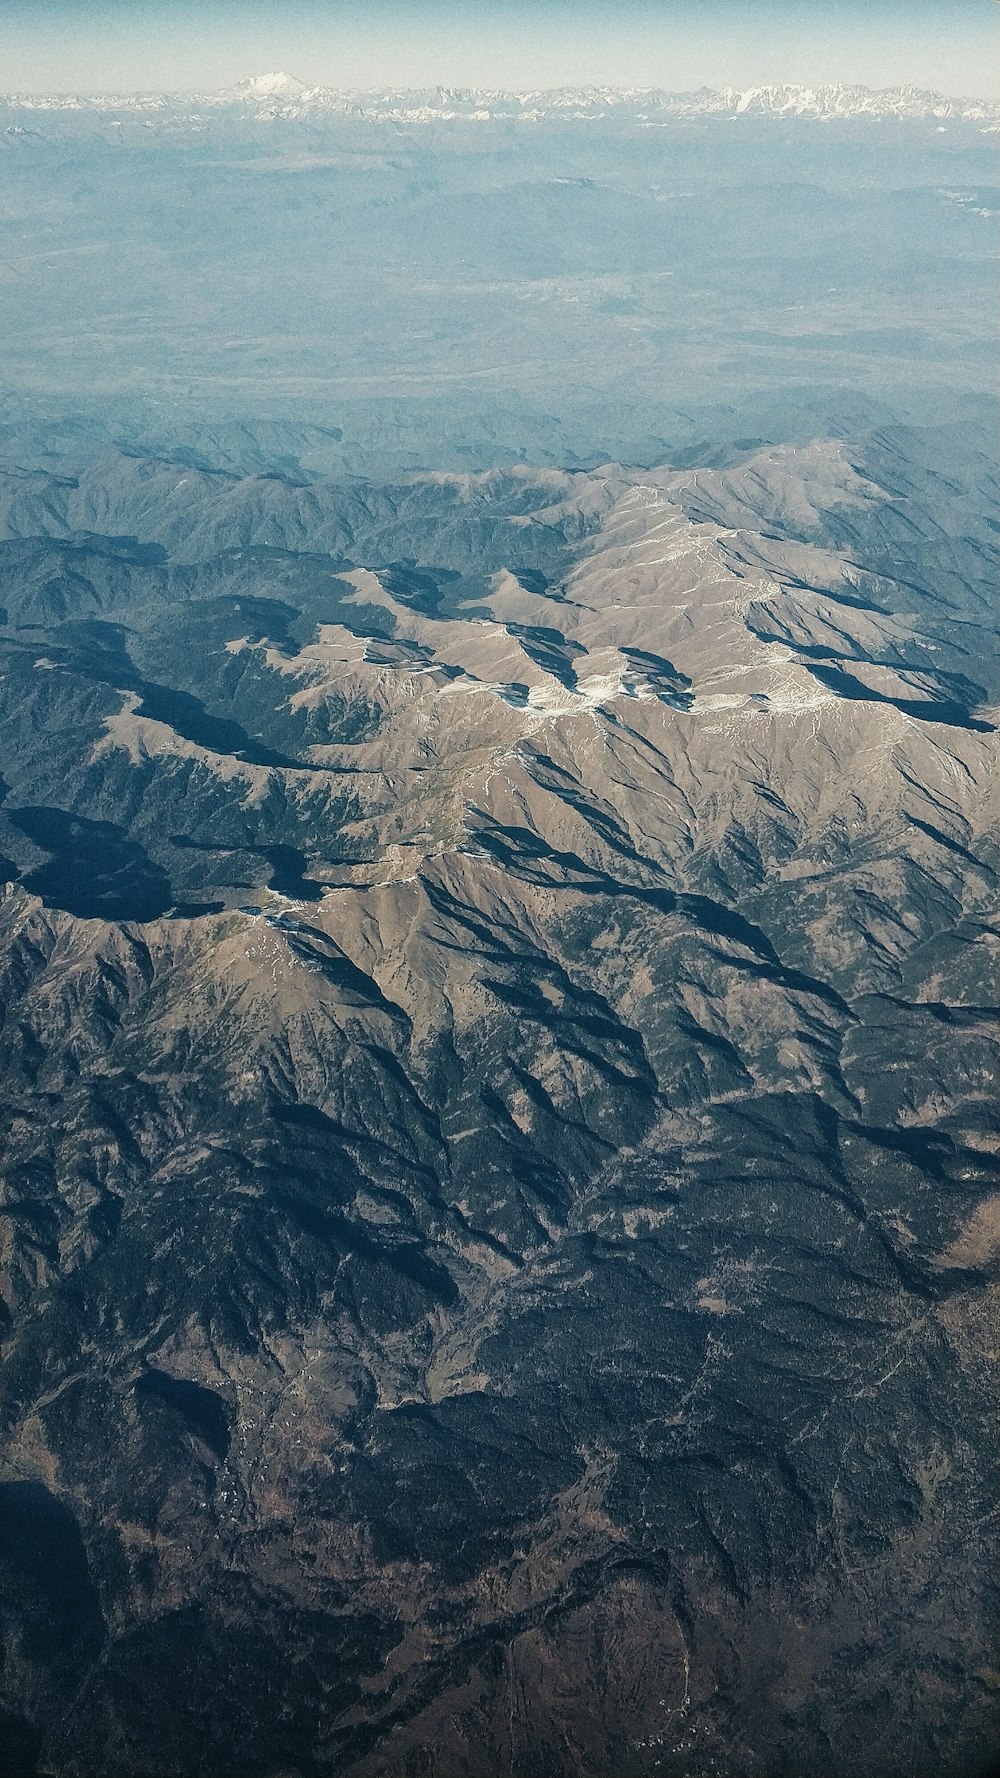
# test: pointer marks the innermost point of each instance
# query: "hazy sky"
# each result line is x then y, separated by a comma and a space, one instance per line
138, 45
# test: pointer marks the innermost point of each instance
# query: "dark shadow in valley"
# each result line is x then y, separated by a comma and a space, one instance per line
93, 871
200, 1411
550, 650
944, 710
44, 1573
287, 865
668, 683
419, 589
98, 651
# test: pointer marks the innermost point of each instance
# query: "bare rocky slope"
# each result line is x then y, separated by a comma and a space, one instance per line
498, 1132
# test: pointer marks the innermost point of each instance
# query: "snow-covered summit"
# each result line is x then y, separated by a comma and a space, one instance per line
271, 86
839, 100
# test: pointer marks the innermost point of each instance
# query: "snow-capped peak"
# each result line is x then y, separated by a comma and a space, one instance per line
271, 86
279, 95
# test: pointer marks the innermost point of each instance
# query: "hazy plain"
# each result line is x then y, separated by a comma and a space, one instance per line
459, 293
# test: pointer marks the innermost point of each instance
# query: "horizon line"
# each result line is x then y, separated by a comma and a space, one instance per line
513, 92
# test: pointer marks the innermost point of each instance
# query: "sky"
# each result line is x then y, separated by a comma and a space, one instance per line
952, 46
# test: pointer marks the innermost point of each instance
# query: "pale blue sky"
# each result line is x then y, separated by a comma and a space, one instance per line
139, 45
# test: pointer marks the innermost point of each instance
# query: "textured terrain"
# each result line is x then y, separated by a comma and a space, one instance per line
498, 1117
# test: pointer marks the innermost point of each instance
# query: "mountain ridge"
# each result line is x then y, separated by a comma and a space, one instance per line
285, 95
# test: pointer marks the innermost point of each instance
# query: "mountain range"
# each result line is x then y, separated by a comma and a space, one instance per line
499, 678
499, 1116
284, 95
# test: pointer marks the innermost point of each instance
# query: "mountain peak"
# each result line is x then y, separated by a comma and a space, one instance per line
271, 86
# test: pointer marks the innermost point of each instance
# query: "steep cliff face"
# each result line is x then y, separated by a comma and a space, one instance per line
497, 1096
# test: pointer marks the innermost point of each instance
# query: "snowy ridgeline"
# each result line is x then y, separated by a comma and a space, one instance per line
282, 95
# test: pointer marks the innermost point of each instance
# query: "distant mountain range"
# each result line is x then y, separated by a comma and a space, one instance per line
281, 94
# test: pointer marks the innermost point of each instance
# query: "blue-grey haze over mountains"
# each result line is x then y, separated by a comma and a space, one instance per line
499, 1220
